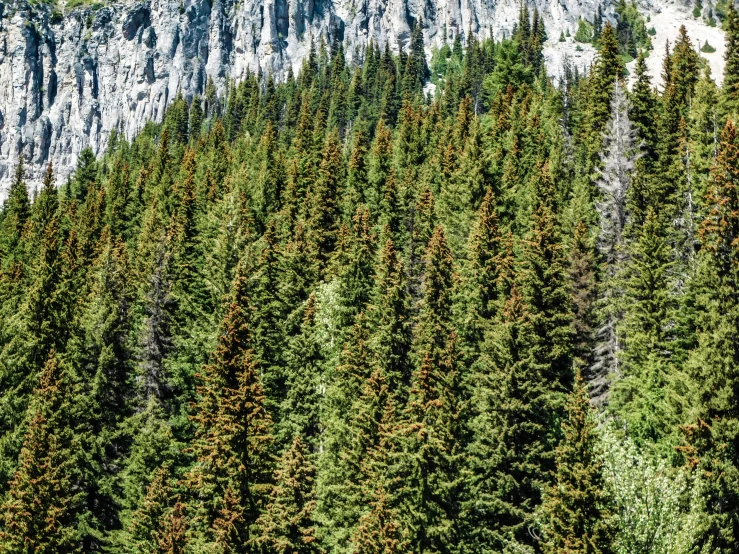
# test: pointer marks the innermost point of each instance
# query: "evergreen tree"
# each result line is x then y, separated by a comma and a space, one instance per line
15, 212
323, 201
300, 411
84, 176
574, 511
608, 69
483, 274
391, 339
582, 277
233, 437
287, 524
41, 510
545, 289
712, 437
431, 430
642, 397
510, 454
148, 530
731, 69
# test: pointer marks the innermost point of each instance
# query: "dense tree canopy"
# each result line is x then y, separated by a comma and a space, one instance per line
339, 313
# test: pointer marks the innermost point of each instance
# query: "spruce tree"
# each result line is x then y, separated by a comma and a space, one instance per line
431, 430
15, 212
545, 289
390, 320
43, 504
300, 410
233, 437
287, 524
731, 69
482, 275
642, 107
574, 511
322, 201
582, 273
379, 531
711, 439
641, 397
147, 529
510, 454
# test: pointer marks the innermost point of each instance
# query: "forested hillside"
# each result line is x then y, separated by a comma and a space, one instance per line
339, 314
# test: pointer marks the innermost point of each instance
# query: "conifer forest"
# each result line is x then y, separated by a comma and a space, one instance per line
408, 305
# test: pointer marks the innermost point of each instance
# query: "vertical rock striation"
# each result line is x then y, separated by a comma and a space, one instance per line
67, 80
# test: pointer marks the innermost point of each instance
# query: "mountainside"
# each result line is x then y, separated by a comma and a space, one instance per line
69, 76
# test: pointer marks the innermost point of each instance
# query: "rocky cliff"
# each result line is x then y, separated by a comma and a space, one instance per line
69, 76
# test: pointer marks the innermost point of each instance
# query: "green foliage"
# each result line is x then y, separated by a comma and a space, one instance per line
631, 29
331, 314
575, 510
657, 508
584, 31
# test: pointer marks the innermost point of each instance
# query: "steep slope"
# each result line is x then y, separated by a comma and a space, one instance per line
67, 77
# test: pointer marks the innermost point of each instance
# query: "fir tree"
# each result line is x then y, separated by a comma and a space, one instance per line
232, 443
300, 411
41, 510
323, 201
510, 454
391, 339
712, 437
431, 429
642, 397
287, 524
574, 511
147, 528
15, 212
731, 69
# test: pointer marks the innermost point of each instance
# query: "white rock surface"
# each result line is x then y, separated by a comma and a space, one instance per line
65, 82
666, 18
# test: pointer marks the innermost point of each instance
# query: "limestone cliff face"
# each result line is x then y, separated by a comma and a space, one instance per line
68, 77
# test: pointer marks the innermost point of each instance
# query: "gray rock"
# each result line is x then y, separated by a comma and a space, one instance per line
66, 82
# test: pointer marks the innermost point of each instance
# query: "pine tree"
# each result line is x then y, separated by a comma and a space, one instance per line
380, 161
102, 355
233, 438
431, 431
608, 69
416, 71
712, 437
266, 312
287, 524
155, 335
357, 178
731, 69
84, 176
574, 511
15, 212
40, 323
41, 510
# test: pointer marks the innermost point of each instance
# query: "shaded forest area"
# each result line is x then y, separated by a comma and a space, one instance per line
338, 315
